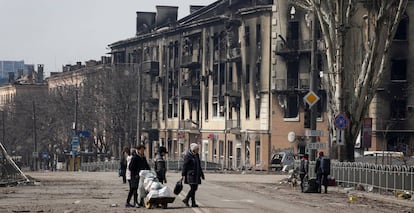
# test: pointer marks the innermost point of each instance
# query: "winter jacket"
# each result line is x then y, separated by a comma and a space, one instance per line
138, 163
192, 171
160, 166
304, 166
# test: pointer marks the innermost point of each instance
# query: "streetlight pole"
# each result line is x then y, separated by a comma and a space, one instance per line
313, 82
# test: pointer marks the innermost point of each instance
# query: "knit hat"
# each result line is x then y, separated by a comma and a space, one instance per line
193, 146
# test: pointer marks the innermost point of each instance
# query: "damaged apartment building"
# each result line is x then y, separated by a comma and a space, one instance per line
205, 79
231, 76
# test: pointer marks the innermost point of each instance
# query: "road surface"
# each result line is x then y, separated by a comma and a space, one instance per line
220, 193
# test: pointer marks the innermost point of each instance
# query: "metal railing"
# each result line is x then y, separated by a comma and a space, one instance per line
171, 165
379, 177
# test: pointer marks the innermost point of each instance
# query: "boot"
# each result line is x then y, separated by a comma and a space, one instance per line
326, 189
193, 204
185, 201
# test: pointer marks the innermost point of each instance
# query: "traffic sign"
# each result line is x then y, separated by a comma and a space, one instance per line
341, 121
311, 98
340, 137
75, 145
314, 133
316, 145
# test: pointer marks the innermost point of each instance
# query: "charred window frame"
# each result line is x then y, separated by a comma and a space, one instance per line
398, 69
258, 34
292, 106
247, 36
247, 108
247, 80
402, 30
398, 109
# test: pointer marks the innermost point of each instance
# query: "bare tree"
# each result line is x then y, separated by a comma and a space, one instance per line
352, 81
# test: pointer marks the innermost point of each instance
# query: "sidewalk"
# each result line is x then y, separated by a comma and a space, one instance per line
389, 198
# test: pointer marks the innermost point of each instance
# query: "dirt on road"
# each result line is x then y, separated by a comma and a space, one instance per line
104, 192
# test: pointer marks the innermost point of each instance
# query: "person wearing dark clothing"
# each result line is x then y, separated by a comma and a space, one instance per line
138, 163
321, 173
160, 166
123, 163
192, 173
303, 169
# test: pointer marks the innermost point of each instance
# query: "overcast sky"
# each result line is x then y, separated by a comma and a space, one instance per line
58, 32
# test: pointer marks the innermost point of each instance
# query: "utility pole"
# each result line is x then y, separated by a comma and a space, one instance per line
34, 135
139, 100
75, 127
4, 130
313, 82
75, 124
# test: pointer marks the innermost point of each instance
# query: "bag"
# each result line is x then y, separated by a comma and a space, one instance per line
178, 187
325, 166
310, 185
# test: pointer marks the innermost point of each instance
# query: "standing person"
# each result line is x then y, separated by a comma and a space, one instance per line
322, 170
192, 173
123, 164
132, 190
138, 163
160, 165
303, 169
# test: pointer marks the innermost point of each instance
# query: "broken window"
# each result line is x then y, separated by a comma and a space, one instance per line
402, 30
258, 34
247, 36
247, 108
398, 109
247, 74
292, 106
399, 69
257, 152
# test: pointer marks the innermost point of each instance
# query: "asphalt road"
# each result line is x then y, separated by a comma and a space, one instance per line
220, 193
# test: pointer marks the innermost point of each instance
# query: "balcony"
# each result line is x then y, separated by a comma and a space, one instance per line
234, 54
297, 47
216, 90
149, 125
151, 67
232, 124
283, 85
190, 92
191, 61
232, 89
188, 124
151, 104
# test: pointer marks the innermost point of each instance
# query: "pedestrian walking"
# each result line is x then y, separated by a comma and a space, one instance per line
138, 163
192, 173
303, 169
123, 164
160, 166
132, 189
322, 170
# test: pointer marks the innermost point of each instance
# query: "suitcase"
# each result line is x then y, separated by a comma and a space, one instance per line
310, 185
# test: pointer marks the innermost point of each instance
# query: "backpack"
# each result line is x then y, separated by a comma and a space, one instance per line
325, 165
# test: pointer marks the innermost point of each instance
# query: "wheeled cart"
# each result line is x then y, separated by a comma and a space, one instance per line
158, 202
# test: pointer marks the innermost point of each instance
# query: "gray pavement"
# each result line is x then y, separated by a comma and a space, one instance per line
220, 193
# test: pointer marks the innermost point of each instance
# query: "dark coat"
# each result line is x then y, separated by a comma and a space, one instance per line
304, 166
318, 169
137, 164
192, 171
160, 167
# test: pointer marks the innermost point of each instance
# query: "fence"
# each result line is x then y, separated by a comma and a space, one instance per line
171, 165
379, 177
